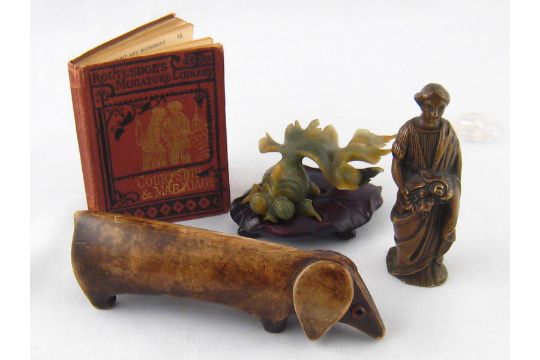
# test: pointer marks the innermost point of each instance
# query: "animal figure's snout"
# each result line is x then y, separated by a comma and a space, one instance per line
326, 292
358, 312
365, 318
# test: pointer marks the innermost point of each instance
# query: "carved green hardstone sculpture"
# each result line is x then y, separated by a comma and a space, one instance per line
286, 189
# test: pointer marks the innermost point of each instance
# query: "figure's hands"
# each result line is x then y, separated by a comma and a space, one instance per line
437, 189
441, 189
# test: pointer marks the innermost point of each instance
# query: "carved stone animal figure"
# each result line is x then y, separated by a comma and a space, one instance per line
286, 190
115, 254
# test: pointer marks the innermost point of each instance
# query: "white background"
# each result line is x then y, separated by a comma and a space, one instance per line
350, 64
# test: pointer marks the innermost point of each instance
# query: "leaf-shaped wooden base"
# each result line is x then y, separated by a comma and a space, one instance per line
342, 211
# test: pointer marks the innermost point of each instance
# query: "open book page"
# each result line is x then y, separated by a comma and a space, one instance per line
150, 44
147, 42
150, 29
137, 37
187, 45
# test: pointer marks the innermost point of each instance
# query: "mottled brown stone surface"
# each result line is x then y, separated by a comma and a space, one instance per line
114, 254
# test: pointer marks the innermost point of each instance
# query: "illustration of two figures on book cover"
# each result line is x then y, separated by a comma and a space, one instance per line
170, 137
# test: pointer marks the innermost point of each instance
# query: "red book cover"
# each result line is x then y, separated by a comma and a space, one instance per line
152, 135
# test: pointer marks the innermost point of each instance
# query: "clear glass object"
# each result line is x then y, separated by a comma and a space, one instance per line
475, 127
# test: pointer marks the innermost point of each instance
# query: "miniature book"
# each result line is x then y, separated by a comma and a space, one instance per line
150, 117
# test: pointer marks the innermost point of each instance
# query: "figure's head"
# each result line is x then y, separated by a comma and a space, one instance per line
175, 106
327, 292
432, 99
158, 113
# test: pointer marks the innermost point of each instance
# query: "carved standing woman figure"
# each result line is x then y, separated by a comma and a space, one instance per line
427, 169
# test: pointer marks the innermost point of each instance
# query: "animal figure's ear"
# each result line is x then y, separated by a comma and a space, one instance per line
322, 294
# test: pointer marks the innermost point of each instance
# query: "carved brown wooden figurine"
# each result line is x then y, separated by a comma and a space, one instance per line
115, 254
427, 170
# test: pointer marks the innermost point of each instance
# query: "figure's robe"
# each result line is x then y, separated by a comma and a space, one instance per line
178, 127
423, 237
153, 151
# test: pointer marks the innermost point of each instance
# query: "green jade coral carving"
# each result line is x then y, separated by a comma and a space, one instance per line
286, 191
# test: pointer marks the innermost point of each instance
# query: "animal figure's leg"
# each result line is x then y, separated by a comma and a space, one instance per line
254, 189
282, 208
306, 208
100, 300
270, 216
274, 326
